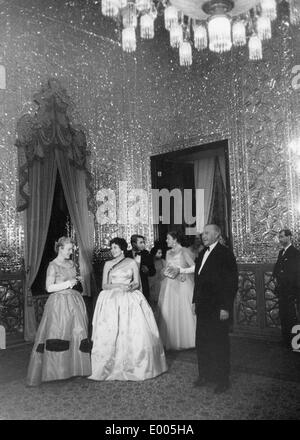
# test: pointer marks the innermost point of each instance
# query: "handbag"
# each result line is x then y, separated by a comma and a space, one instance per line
180, 276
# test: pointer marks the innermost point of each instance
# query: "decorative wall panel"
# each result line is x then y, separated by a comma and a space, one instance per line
246, 301
11, 304
265, 94
271, 302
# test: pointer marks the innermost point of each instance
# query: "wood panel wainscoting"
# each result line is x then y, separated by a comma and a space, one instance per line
12, 305
255, 308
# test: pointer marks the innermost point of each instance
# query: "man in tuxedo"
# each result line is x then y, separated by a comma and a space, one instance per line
287, 275
144, 261
216, 284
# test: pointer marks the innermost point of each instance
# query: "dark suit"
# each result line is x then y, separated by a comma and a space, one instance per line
146, 260
215, 289
287, 274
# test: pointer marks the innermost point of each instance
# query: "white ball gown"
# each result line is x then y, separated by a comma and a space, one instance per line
126, 342
61, 349
176, 320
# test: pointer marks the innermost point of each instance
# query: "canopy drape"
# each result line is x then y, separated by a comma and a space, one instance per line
47, 143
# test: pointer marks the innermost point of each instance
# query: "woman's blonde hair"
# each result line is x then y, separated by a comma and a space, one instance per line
61, 242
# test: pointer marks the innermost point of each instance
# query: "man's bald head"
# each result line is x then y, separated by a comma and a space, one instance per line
211, 234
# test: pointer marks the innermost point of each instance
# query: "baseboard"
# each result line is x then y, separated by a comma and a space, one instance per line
272, 336
15, 340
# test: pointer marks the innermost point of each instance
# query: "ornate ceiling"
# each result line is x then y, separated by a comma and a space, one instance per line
193, 8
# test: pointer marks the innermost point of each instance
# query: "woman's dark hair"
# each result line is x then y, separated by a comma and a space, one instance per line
176, 235
119, 242
156, 248
61, 242
187, 240
159, 245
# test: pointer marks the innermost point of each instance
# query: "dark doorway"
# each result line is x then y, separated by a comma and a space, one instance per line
58, 227
177, 170
172, 174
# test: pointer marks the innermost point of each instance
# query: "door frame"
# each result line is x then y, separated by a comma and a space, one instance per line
191, 149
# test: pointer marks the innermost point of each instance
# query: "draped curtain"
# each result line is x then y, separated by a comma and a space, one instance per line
204, 170
42, 177
48, 144
219, 208
221, 163
73, 182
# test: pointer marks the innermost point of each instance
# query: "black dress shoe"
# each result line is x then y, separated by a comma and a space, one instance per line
200, 382
221, 388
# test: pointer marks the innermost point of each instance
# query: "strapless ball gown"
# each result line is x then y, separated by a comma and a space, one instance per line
126, 341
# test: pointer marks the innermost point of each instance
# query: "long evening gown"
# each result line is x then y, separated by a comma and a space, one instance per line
126, 342
61, 349
155, 280
176, 320
155, 283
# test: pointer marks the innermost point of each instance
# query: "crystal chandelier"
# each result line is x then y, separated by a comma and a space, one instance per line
217, 25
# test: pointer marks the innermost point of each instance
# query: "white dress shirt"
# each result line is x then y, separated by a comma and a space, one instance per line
191, 269
285, 249
206, 254
137, 259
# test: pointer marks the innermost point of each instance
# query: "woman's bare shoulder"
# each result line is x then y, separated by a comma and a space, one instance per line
108, 263
52, 268
185, 251
68, 264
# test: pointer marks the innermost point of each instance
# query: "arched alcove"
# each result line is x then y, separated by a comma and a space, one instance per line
51, 152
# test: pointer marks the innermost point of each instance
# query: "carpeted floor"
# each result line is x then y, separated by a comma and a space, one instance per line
265, 385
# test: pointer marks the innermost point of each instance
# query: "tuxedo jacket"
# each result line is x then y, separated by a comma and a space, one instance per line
287, 272
217, 283
146, 260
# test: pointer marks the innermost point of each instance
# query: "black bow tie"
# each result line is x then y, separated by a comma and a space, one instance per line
206, 248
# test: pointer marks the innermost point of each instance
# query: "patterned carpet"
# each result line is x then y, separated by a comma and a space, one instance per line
265, 385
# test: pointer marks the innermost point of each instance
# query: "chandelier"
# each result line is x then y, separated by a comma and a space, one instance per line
217, 25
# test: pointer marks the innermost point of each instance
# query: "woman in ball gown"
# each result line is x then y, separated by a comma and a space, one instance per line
176, 318
155, 280
61, 349
126, 342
